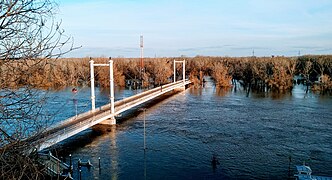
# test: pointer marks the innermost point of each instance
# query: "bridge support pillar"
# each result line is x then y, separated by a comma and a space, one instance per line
107, 125
182, 88
110, 121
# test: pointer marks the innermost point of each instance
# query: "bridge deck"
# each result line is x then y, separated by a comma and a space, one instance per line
76, 124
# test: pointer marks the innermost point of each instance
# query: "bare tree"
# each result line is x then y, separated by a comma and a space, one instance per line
28, 36
306, 73
160, 71
283, 72
221, 75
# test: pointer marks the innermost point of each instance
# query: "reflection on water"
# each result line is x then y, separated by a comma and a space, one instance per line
253, 137
222, 91
114, 153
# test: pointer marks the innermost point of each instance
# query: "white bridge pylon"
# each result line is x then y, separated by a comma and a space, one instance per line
112, 120
93, 97
183, 70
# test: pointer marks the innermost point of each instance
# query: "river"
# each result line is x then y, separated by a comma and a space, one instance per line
252, 137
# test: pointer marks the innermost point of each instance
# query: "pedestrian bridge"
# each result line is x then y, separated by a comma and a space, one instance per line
76, 124
105, 114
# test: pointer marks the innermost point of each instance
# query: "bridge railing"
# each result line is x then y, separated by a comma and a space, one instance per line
54, 166
68, 131
107, 107
141, 99
74, 127
123, 101
69, 120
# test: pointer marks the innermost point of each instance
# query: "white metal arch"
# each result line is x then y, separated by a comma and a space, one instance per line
93, 97
184, 70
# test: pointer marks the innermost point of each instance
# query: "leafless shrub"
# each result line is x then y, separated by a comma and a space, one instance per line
221, 76
28, 37
160, 70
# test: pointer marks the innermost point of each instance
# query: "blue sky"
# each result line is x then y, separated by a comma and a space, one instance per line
198, 27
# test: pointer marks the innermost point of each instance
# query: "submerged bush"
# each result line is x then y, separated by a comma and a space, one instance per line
253, 73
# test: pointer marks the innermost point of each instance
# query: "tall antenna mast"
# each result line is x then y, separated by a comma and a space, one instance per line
141, 63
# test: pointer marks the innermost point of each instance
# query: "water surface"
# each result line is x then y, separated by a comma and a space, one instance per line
252, 137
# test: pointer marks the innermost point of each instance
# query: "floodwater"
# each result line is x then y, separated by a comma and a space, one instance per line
252, 137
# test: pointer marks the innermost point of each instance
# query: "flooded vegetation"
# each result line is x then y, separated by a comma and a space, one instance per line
260, 74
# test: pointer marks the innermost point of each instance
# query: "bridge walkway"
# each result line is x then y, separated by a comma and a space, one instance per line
76, 124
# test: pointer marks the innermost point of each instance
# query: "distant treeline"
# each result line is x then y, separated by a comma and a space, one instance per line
253, 73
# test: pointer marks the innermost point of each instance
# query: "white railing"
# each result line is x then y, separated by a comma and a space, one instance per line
70, 127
